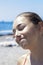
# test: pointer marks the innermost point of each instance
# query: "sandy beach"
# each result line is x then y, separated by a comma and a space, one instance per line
10, 55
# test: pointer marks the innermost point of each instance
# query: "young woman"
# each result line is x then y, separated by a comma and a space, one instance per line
28, 33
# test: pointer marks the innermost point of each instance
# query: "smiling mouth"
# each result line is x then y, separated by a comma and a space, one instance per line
22, 41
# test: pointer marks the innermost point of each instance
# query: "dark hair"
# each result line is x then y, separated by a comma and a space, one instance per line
33, 17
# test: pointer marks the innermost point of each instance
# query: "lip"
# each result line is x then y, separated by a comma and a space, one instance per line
20, 40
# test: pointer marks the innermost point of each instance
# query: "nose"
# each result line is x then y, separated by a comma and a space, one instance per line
17, 34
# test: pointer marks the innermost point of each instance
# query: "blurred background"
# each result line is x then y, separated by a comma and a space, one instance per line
9, 9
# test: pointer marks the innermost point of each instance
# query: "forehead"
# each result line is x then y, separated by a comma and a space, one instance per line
20, 20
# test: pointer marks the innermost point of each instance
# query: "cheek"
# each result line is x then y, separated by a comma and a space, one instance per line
30, 34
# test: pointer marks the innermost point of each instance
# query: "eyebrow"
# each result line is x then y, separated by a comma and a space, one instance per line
20, 24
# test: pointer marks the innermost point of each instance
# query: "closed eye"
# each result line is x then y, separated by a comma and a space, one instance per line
21, 27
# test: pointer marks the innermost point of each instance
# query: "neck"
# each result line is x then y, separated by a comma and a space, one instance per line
37, 51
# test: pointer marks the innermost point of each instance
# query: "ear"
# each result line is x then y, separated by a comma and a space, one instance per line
41, 25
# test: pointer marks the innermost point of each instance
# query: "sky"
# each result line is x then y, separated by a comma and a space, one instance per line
9, 9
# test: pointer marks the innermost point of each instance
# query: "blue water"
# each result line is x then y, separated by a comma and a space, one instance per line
6, 25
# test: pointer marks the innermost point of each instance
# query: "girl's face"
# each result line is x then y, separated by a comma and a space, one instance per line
25, 32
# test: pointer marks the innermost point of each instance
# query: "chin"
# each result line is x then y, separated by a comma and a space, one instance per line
24, 46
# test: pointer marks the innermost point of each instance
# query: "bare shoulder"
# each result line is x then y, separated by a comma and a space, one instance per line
23, 59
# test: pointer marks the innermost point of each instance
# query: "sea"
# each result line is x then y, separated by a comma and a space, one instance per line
6, 25
6, 33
